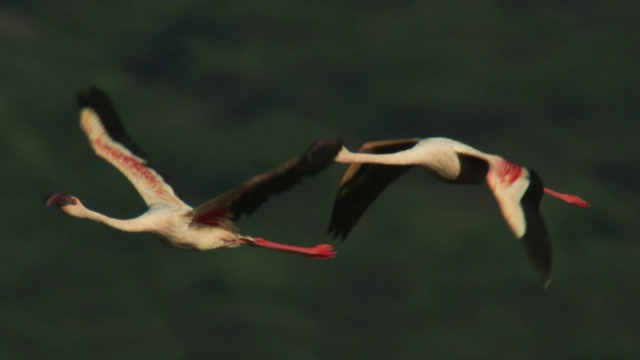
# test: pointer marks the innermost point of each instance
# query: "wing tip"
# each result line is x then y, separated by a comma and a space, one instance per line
99, 101
90, 97
538, 248
337, 233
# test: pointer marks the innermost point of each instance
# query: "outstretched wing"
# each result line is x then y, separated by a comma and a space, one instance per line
518, 192
99, 121
536, 238
362, 183
246, 198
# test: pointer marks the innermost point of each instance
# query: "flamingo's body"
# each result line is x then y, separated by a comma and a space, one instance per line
517, 189
206, 227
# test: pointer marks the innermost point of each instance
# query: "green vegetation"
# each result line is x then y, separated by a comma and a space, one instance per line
217, 92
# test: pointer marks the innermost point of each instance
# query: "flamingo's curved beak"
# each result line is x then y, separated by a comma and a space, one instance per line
57, 199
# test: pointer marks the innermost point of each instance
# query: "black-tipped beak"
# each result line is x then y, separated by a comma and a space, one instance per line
57, 199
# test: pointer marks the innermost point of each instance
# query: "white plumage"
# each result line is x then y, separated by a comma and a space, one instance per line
517, 189
206, 227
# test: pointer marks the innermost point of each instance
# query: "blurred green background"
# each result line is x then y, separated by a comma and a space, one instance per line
216, 92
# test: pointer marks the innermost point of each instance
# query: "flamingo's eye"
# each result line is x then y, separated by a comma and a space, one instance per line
75, 202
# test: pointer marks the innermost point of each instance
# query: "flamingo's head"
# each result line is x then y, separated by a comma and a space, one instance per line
67, 203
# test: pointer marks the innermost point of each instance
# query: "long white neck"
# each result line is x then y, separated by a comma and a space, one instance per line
398, 158
138, 224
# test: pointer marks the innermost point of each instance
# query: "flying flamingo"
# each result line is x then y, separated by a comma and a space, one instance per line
208, 226
517, 190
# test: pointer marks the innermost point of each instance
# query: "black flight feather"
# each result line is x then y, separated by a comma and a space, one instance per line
99, 101
361, 190
473, 170
257, 190
536, 239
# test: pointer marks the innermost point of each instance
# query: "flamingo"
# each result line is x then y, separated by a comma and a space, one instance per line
206, 227
517, 189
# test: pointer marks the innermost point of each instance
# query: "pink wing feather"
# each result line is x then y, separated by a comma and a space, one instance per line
109, 141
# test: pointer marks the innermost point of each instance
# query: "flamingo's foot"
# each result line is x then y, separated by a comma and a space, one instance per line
320, 252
